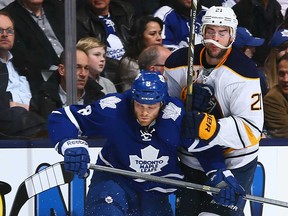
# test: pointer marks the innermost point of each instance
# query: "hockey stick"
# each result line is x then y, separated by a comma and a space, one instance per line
183, 184
190, 71
52, 176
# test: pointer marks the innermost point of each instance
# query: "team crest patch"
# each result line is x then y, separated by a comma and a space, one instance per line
149, 162
171, 111
109, 102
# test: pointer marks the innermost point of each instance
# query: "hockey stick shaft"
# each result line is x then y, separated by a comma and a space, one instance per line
190, 71
183, 184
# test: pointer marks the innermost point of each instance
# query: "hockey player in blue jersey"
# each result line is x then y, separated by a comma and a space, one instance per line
143, 130
237, 116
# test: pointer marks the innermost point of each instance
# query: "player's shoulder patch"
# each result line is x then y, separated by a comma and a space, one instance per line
110, 101
241, 64
173, 109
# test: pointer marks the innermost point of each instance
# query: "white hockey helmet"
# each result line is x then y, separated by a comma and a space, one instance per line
220, 16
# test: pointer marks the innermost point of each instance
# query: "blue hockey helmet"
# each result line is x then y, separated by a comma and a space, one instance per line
149, 87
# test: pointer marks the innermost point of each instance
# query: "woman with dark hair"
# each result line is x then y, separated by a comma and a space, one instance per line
146, 31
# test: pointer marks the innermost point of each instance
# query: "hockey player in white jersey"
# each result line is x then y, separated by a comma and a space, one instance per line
237, 117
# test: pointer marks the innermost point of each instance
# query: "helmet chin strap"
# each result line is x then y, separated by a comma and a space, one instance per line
216, 43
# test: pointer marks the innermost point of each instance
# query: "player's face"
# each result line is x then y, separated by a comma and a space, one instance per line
146, 113
97, 60
152, 34
283, 76
6, 38
100, 6
221, 35
82, 69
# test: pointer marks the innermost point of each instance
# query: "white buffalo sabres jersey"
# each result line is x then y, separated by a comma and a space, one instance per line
239, 108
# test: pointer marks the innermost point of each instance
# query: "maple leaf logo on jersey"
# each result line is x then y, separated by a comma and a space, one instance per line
171, 111
109, 102
149, 163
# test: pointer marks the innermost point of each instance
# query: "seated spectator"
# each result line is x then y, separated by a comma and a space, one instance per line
279, 46
39, 36
53, 92
146, 31
176, 20
96, 52
247, 43
110, 22
262, 19
153, 58
276, 103
15, 118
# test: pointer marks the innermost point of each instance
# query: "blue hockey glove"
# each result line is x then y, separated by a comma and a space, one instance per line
203, 97
76, 156
231, 193
200, 125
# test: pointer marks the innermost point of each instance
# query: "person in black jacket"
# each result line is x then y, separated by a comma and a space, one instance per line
53, 94
16, 120
39, 36
110, 22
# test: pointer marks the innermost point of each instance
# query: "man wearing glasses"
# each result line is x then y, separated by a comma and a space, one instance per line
15, 93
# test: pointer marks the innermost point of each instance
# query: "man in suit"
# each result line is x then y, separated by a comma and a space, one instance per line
15, 93
39, 36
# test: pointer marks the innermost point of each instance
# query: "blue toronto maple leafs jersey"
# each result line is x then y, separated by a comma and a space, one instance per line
150, 150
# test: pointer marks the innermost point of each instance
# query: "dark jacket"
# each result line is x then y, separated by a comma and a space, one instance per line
48, 99
88, 23
16, 122
32, 49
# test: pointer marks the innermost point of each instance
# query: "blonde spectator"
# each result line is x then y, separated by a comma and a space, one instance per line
96, 52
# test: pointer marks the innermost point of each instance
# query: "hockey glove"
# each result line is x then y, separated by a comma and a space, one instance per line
76, 156
203, 97
200, 125
231, 193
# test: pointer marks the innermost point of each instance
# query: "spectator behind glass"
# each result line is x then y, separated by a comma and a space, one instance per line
261, 17
279, 46
110, 22
276, 103
4, 3
96, 52
153, 58
176, 20
40, 32
247, 44
146, 31
15, 93
53, 92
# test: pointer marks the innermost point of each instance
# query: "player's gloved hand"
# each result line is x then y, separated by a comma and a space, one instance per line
203, 97
200, 125
231, 193
76, 156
